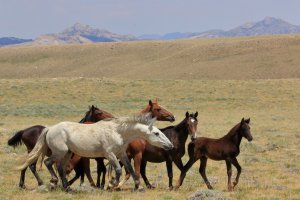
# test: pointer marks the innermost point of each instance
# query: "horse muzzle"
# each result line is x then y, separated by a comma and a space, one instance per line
168, 147
171, 118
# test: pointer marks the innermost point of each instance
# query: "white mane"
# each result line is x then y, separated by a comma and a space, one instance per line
145, 119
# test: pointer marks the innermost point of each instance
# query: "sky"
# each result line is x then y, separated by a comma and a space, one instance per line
31, 18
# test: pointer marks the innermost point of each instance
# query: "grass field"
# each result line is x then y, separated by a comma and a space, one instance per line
271, 167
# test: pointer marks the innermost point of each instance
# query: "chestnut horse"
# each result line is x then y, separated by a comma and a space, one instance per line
29, 137
141, 151
82, 165
226, 148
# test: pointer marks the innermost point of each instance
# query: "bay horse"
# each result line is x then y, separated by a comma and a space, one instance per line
106, 138
82, 165
226, 148
29, 137
142, 151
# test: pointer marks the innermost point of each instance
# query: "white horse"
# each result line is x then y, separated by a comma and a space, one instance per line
108, 138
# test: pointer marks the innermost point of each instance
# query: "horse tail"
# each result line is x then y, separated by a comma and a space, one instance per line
16, 139
39, 149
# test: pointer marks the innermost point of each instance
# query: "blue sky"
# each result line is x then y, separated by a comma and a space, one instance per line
30, 18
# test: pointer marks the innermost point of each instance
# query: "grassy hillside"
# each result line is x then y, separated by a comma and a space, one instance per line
263, 57
270, 163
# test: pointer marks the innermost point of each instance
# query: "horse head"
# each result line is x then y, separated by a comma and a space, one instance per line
192, 122
159, 112
94, 114
245, 129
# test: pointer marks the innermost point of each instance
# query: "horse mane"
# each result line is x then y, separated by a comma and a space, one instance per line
233, 131
145, 119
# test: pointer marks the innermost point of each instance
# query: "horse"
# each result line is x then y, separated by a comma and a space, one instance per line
226, 148
82, 165
29, 137
141, 151
106, 138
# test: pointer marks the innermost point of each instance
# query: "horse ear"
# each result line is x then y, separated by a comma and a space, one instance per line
156, 100
150, 103
93, 107
243, 121
247, 120
187, 114
196, 114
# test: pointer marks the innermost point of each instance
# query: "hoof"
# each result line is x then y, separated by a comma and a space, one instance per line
140, 189
150, 186
52, 186
234, 184
170, 188
93, 185
40, 183
22, 187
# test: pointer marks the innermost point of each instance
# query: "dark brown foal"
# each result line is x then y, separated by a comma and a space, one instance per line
226, 148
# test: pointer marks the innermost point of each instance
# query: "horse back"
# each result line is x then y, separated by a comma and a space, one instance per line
208, 147
30, 136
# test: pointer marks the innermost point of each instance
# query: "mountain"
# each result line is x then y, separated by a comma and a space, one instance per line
12, 40
79, 33
168, 36
267, 26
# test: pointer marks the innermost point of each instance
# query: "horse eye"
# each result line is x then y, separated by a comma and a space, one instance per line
156, 133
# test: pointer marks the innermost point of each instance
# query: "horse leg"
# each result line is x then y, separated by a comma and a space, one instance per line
99, 171
187, 166
77, 175
114, 162
33, 170
203, 161
137, 167
126, 162
87, 171
62, 169
229, 173
22, 179
49, 164
126, 178
239, 170
102, 168
179, 164
170, 173
143, 173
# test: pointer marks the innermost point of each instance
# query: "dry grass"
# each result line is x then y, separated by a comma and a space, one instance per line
262, 57
270, 163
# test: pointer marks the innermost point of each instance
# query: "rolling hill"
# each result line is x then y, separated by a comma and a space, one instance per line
261, 57
12, 40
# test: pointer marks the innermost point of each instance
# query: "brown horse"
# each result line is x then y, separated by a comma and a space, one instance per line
141, 151
226, 148
29, 137
83, 165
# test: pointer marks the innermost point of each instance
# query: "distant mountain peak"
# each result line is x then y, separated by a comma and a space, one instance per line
267, 26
